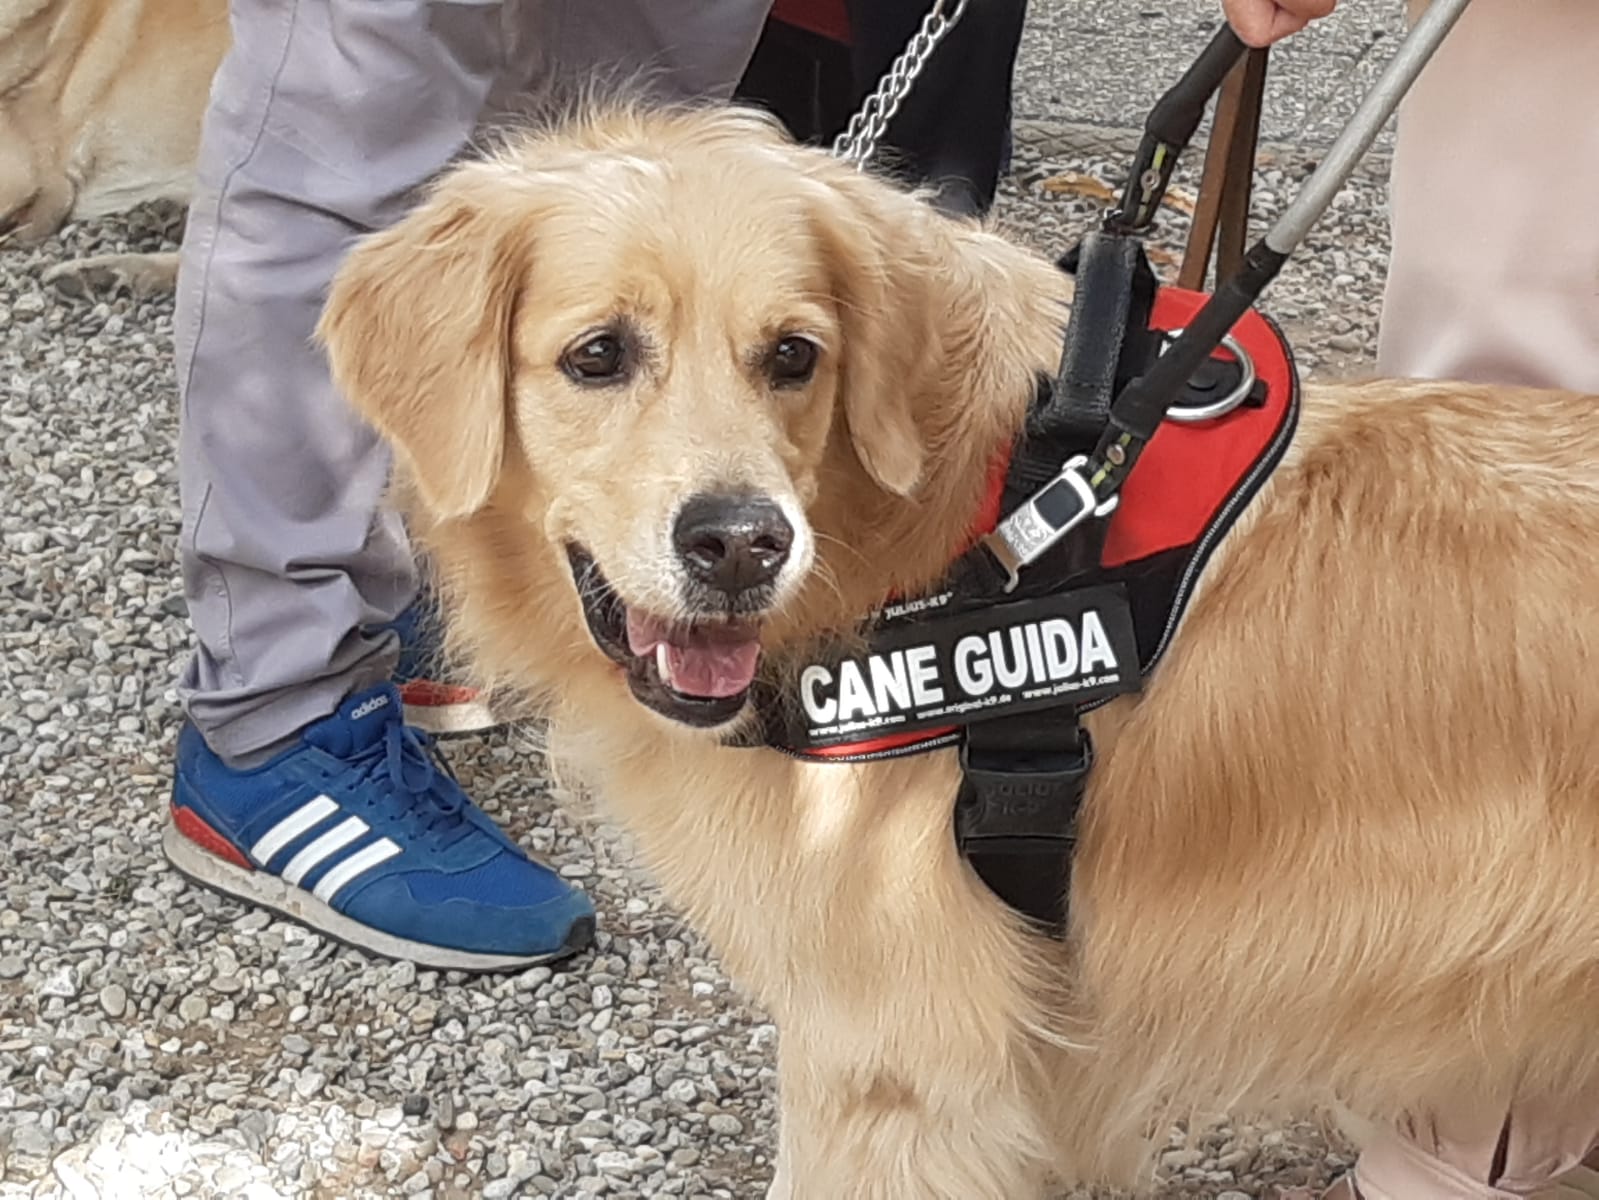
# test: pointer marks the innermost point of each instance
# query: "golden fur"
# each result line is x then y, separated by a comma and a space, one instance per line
100, 110
1344, 849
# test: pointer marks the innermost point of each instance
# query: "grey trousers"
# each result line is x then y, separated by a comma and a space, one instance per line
324, 118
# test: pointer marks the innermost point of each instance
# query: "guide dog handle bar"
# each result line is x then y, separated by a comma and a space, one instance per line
1167, 132
1141, 407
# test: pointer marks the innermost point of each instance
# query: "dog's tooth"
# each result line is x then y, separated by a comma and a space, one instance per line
663, 663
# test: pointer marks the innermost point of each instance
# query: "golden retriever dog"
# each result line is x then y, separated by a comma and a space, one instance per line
101, 103
672, 399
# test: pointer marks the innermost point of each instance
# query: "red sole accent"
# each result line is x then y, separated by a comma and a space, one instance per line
424, 693
193, 827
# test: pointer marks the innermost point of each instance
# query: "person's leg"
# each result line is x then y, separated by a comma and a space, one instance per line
1480, 1154
324, 118
667, 50
297, 784
953, 129
1494, 275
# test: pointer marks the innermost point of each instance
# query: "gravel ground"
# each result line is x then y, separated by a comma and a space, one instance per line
156, 1040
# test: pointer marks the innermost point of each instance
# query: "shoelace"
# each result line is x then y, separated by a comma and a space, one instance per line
432, 806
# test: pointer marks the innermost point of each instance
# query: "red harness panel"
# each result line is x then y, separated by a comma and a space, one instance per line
1186, 473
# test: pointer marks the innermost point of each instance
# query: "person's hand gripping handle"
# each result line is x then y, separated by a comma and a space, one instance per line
1262, 22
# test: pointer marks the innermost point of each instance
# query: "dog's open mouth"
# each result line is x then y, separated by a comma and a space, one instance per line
697, 672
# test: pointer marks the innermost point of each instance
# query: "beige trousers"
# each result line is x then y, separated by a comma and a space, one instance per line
1494, 278
1495, 203
1534, 1150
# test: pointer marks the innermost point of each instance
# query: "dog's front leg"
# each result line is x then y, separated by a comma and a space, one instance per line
151, 274
913, 1009
911, 1060
875, 1132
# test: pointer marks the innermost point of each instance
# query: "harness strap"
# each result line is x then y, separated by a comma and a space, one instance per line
1107, 343
1023, 776
1016, 813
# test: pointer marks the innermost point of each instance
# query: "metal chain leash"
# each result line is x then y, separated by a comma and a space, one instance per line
859, 141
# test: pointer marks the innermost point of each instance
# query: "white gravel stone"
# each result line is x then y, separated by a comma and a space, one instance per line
114, 1000
60, 982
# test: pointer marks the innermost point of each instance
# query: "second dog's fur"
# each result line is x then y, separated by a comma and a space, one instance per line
1344, 849
100, 111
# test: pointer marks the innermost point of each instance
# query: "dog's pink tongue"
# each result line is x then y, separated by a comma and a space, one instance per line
708, 661
711, 670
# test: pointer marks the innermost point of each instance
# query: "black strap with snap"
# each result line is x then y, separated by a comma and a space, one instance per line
1024, 776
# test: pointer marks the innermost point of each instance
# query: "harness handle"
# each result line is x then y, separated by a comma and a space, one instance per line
1087, 486
1168, 130
1139, 410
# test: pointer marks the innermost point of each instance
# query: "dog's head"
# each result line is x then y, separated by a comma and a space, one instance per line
717, 381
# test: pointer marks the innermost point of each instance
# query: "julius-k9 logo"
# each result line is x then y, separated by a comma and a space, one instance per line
953, 670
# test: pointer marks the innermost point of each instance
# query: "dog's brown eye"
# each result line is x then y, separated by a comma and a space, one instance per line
793, 361
601, 358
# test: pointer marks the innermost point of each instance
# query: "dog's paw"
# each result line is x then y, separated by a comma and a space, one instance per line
38, 214
140, 274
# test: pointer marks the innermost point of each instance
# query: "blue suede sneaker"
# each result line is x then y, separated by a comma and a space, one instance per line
361, 832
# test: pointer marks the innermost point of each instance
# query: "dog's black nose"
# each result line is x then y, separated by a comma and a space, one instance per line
732, 543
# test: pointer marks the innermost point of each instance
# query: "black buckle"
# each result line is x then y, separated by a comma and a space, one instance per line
1016, 820
1022, 799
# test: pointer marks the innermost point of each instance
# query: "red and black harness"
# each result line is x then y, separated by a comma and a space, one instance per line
1073, 592
1004, 673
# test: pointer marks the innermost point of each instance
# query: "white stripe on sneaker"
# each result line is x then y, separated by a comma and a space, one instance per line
291, 827
340, 836
359, 863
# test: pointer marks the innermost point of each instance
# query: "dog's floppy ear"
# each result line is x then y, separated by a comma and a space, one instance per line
941, 319
418, 325
886, 317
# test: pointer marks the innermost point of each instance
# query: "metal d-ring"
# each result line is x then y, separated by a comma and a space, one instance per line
1193, 414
